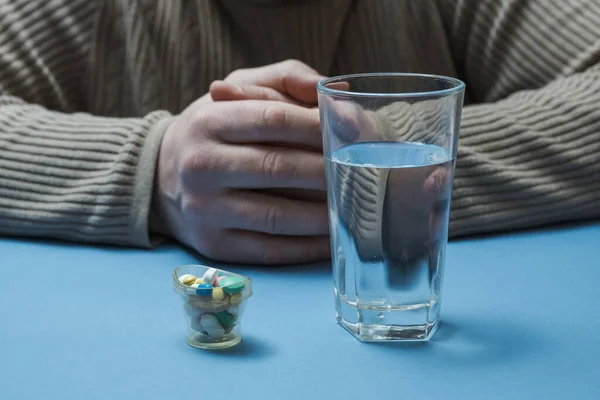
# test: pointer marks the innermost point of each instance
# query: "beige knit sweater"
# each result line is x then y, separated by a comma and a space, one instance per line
87, 88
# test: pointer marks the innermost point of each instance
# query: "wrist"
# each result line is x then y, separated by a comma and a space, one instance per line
156, 219
158, 216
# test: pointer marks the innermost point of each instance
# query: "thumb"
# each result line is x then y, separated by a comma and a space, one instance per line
301, 86
225, 91
292, 78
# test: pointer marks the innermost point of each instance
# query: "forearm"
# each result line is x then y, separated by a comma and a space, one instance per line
531, 159
76, 176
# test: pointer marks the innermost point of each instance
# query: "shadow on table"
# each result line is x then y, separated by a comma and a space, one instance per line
531, 231
469, 344
251, 348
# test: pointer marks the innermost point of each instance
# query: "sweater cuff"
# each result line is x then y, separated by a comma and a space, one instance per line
144, 181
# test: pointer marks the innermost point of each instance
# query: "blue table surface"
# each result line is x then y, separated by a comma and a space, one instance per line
520, 321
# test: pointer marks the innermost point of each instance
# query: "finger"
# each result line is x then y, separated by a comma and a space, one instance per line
299, 194
290, 77
258, 212
342, 86
226, 91
260, 248
348, 122
436, 186
268, 122
262, 167
436, 183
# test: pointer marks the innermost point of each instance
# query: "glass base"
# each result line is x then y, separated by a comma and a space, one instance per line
378, 333
417, 322
201, 341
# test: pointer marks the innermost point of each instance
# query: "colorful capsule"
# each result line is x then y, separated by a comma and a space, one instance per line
187, 279
232, 284
204, 289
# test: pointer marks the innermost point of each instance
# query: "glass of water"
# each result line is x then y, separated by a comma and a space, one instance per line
390, 143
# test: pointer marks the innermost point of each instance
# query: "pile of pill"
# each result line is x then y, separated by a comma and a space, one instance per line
214, 306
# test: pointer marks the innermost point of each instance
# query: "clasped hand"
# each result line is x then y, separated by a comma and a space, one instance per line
240, 175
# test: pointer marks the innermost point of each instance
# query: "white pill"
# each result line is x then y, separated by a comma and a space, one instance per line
210, 276
194, 285
212, 326
196, 325
234, 310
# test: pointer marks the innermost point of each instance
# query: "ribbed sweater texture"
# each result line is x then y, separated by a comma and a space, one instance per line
88, 87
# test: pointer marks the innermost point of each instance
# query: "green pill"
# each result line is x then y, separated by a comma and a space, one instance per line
232, 284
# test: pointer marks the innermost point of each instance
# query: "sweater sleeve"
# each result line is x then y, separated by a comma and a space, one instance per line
64, 173
529, 149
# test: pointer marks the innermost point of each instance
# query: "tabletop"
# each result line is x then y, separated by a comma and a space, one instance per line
85, 322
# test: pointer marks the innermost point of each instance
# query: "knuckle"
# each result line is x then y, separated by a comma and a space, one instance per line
192, 205
293, 64
200, 171
273, 116
207, 119
236, 75
296, 65
275, 168
273, 219
200, 118
189, 163
195, 162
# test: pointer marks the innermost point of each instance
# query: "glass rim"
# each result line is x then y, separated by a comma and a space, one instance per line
459, 85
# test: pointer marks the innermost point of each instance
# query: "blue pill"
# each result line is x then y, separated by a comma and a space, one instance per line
204, 289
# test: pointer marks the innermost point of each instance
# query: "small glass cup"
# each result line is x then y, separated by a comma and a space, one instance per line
390, 144
213, 315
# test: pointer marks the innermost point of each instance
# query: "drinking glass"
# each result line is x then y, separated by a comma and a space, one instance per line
390, 144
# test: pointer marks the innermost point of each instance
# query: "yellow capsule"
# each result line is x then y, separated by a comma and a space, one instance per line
199, 281
187, 279
236, 298
218, 294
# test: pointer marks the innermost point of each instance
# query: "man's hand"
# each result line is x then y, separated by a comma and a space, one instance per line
289, 81
213, 159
